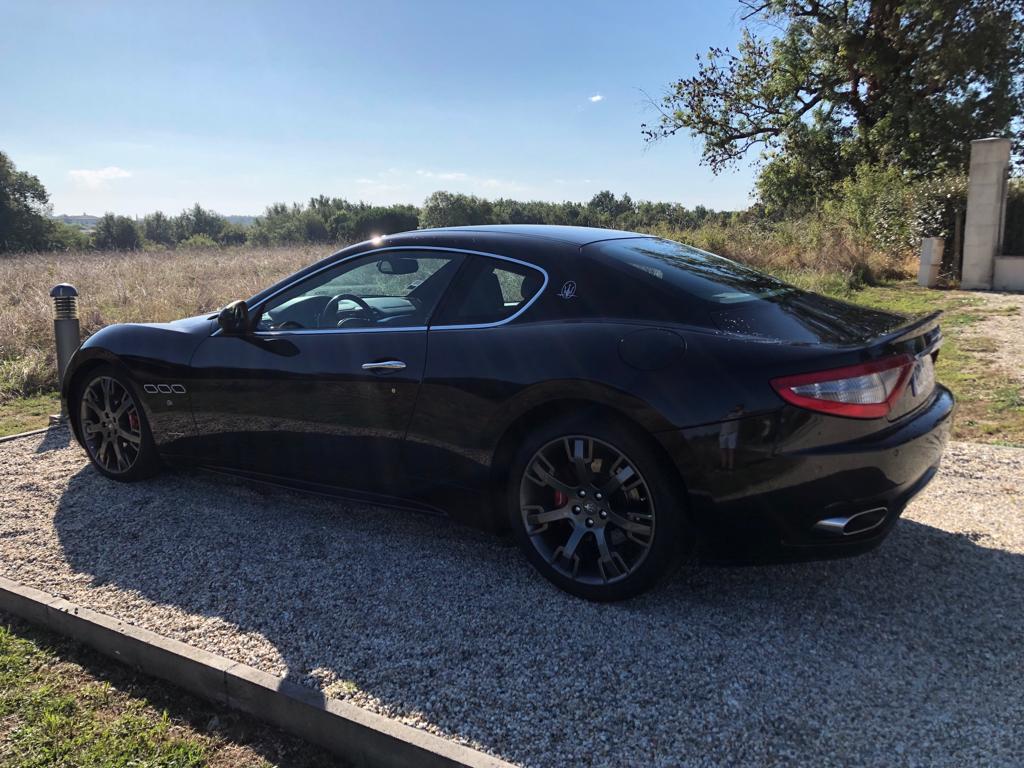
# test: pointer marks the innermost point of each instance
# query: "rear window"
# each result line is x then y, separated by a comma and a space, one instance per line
699, 274
669, 281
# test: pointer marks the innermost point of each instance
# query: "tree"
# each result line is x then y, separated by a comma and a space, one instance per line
606, 210
157, 228
379, 220
198, 221
233, 234
24, 221
116, 233
453, 209
845, 82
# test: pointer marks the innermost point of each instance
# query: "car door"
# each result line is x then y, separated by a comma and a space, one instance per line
479, 356
323, 384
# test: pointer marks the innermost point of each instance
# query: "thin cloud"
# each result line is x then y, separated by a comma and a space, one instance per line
596, 98
445, 176
96, 178
385, 184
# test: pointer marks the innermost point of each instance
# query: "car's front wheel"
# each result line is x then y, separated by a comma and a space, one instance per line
595, 509
113, 426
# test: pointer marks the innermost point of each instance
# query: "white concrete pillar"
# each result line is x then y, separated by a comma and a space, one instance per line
986, 209
931, 261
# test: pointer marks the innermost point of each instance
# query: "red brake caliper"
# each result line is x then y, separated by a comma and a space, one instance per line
133, 420
561, 499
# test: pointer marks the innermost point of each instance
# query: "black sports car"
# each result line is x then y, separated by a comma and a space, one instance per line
615, 400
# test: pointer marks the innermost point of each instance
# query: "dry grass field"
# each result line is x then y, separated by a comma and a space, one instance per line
160, 286
120, 288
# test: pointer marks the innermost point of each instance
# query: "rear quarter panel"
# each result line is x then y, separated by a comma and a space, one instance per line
478, 382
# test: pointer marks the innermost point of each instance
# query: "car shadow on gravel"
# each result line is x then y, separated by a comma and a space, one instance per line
912, 649
55, 438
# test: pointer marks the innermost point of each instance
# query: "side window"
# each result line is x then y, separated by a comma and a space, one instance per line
489, 291
394, 288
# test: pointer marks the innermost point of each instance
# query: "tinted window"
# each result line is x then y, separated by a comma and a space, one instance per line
489, 291
698, 273
394, 288
667, 281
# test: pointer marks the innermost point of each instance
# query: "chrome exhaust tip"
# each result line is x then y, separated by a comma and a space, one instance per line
859, 522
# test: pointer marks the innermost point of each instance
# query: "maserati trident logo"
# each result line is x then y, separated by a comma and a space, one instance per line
568, 290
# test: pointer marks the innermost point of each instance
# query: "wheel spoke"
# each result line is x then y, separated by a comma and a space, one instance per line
90, 400
609, 562
569, 548
108, 387
542, 475
105, 450
581, 453
131, 437
543, 517
121, 462
620, 477
630, 526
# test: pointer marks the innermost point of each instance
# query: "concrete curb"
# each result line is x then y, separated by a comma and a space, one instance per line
31, 432
360, 737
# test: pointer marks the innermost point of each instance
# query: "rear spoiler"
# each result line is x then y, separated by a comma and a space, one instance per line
927, 326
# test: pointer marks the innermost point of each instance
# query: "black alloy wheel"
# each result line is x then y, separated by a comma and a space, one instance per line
589, 516
114, 428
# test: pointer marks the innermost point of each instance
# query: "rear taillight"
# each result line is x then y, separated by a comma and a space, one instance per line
865, 391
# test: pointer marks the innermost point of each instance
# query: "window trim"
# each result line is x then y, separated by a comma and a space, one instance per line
333, 264
526, 304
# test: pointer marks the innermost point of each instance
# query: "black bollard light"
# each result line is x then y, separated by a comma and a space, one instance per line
65, 328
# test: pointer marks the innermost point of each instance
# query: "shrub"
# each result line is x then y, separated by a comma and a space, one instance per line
812, 246
877, 203
198, 241
232, 234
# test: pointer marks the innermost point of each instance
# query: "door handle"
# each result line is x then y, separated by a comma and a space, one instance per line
385, 366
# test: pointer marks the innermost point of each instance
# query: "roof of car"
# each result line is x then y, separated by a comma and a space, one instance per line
579, 236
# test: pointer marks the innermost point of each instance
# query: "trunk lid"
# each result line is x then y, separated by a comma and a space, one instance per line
920, 339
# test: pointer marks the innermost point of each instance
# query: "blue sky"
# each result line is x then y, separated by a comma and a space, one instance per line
134, 107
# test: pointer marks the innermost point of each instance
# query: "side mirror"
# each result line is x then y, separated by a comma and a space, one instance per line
398, 266
234, 318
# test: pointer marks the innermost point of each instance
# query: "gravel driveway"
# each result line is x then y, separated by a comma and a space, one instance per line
1004, 327
912, 655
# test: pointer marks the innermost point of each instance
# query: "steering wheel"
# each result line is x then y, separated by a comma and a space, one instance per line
331, 308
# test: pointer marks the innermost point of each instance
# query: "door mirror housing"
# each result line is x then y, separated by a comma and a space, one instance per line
234, 318
398, 266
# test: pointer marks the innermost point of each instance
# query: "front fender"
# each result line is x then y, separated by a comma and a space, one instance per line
155, 359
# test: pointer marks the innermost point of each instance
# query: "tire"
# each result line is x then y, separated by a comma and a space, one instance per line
109, 414
623, 534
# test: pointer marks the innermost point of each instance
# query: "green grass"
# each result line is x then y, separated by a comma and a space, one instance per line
24, 413
66, 707
991, 404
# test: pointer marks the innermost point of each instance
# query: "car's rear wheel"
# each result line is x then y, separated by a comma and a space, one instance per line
113, 426
595, 509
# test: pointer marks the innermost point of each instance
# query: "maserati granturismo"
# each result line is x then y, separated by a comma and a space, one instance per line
614, 401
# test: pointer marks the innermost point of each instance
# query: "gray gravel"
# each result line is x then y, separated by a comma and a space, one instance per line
911, 655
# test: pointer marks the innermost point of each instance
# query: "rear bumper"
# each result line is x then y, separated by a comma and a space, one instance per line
780, 496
